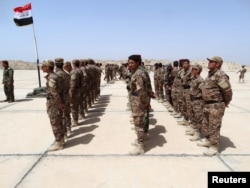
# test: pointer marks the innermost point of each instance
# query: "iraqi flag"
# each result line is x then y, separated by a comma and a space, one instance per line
23, 15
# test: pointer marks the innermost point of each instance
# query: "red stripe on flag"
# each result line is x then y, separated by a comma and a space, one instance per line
24, 8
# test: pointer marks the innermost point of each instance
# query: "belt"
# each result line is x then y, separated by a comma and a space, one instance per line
193, 98
49, 98
134, 93
212, 102
186, 87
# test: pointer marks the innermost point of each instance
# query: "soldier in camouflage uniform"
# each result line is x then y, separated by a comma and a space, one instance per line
160, 78
196, 103
54, 104
242, 72
177, 89
83, 101
67, 112
150, 95
65, 95
8, 81
156, 83
186, 103
139, 101
217, 94
169, 81
76, 80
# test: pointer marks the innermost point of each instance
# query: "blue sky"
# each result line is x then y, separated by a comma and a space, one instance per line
115, 29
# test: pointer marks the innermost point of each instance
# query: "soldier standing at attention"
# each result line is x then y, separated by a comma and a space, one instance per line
186, 79
156, 83
196, 103
75, 90
160, 77
217, 94
177, 90
54, 104
65, 95
8, 82
139, 101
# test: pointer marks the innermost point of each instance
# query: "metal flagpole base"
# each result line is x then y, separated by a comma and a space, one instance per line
39, 92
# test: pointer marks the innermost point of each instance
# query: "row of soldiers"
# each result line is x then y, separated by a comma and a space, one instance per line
199, 104
72, 87
111, 71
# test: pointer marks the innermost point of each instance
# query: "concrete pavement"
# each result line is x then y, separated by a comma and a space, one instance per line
96, 154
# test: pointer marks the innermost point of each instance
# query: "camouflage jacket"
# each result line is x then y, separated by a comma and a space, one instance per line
65, 84
8, 75
76, 79
54, 89
177, 84
139, 89
148, 81
217, 87
196, 85
186, 79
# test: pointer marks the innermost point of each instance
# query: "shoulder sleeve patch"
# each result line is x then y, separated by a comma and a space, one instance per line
52, 83
223, 84
73, 77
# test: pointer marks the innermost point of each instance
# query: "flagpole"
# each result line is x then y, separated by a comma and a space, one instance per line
37, 57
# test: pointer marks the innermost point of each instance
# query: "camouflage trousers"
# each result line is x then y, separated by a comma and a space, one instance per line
9, 91
74, 105
161, 88
177, 100
146, 119
139, 128
156, 84
212, 120
55, 117
197, 114
168, 94
66, 115
186, 104
82, 103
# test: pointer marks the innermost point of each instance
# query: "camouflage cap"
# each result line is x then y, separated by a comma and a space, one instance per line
48, 63
59, 60
197, 67
76, 62
216, 59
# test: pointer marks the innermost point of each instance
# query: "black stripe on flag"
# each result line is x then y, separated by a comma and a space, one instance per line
23, 21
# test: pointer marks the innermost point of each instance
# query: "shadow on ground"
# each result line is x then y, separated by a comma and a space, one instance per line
85, 139
80, 134
155, 139
225, 142
18, 100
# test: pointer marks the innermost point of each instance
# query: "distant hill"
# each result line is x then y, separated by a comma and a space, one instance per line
21, 65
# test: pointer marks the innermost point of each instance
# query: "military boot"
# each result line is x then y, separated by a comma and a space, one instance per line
74, 123
177, 115
190, 132
173, 113
184, 122
135, 143
195, 137
138, 150
58, 145
212, 150
204, 143
170, 109
81, 116
68, 131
